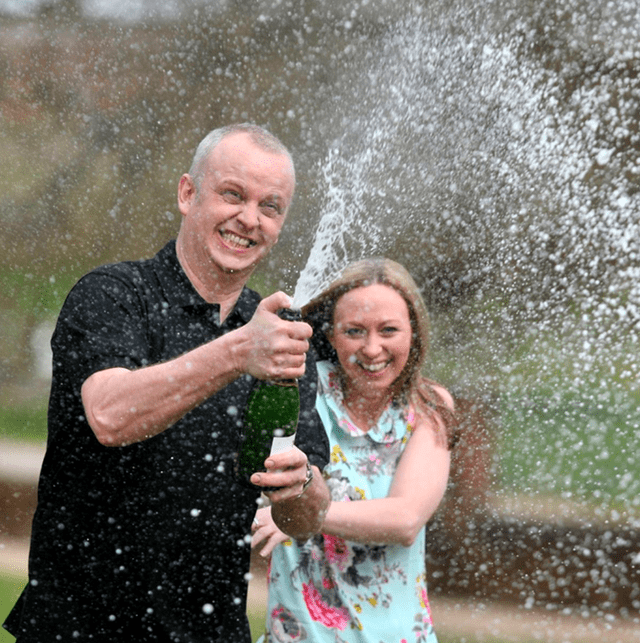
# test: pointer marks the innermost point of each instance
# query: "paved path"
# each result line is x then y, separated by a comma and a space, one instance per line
20, 461
13, 557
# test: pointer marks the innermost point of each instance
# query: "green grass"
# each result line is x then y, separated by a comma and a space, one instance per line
10, 588
24, 422
576, 443
256, 622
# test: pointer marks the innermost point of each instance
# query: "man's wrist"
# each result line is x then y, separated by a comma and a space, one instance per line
307, 480
234, 353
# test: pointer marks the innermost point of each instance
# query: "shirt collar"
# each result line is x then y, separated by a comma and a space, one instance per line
392, 425
180, 292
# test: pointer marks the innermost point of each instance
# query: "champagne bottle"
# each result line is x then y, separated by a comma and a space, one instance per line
270, 419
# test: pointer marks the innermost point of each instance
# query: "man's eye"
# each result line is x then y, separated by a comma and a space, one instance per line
232, 195
271, 209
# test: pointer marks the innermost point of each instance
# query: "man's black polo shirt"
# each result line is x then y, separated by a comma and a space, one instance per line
148, 542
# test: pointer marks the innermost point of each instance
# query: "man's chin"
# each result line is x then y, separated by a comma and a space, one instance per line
240, 267
238, 263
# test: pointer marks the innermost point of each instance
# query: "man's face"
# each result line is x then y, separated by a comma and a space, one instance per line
235, 218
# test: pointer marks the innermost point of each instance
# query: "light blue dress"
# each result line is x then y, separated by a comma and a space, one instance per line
329, 589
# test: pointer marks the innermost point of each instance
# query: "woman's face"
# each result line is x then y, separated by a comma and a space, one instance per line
372, 337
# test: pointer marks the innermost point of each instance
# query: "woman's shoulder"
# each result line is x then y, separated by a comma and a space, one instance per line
444, 395
436, 407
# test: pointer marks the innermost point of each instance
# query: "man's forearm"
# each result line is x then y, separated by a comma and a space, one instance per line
124, 407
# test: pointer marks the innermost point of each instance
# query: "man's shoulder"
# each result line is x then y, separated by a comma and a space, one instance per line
135, 272
119, 283
164, 259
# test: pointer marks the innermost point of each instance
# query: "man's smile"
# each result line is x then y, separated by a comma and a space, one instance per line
234, 240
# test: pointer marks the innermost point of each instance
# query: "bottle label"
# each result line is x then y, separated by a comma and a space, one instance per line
279, 445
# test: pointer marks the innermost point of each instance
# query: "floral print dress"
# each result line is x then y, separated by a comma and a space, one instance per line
329, 589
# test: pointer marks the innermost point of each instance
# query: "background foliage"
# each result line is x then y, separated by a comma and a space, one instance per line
101, 117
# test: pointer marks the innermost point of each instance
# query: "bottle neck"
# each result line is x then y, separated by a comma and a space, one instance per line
284, 382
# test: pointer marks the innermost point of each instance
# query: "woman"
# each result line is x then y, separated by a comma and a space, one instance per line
390, 430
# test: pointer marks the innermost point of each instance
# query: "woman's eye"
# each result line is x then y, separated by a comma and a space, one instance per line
389, 330
353, 332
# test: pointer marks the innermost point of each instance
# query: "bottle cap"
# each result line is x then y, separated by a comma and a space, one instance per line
290, 314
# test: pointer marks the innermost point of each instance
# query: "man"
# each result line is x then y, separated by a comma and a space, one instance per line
142, 531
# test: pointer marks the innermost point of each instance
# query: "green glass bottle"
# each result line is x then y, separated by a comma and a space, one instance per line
270, 419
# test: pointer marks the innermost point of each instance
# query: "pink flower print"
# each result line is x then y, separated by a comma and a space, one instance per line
350, 428
328, 584
332, 617
334, 381
336, 551
424, 601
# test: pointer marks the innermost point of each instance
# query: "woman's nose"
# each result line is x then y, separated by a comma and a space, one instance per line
372, 345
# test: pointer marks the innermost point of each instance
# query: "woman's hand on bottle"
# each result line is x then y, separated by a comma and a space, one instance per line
297, 509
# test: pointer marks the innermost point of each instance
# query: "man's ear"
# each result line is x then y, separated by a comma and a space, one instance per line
186, 193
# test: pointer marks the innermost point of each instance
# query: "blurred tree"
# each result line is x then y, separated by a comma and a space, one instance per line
61, 11
105, 117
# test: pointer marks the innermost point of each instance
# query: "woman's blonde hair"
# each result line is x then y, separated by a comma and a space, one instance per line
410, 386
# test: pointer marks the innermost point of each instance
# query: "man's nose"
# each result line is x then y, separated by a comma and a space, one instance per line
249, 216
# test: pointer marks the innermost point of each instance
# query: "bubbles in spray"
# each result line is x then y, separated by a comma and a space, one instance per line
497, 157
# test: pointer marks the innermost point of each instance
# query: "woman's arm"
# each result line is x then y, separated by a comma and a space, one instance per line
416, 491
301, 516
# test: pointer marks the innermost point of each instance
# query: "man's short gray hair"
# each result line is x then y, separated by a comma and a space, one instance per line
259, 136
